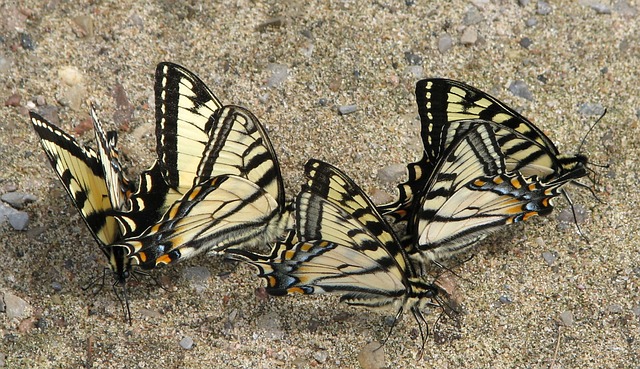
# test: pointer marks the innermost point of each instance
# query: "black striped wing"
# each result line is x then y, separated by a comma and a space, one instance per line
184, 107
448, 109
253, 214
117, 184
470, 194
218, 213
345, 248
82, 174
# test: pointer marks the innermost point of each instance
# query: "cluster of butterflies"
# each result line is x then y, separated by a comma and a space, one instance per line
216, 188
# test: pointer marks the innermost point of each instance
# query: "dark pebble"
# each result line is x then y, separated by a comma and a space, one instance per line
26, 42
323, 102
504, 299
525, 42
412, 58
519, 88
56, 286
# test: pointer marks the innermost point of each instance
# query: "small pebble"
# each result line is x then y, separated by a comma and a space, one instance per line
598, 7
323, 101
543, 8
321, 356
152, 314
472, 17
275, 22
84, 25
445, 42
56, 286
379, 196
372, 356
523, 3
71, 76
18, 220
525, 42
5, 64
279, 73
415, 71
469, 36
40, 100
26, 42
18, 199
504, 300
591, 109
393, 173
567, 318
347, 109
270, 325
519, 88
186, 343
615, 308
636, 310
566, 215
13, 100
530, 22
196, 275
412, 59
549, 257
623, 7
15, 307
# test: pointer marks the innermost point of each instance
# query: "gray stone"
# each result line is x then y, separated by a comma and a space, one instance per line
279, 73
18, 199
392, 173
196, 275
543, 8
15, 307
321, 356
472, 17
347, 109
591, 109
186, 343
18, 220
445, 42
530, 22
271, 326
519, 88
567, 318
549, 257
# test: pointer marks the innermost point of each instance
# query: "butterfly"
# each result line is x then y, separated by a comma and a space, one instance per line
95, 183
204, 149
242, 207
470, 194
448, 109
342, 245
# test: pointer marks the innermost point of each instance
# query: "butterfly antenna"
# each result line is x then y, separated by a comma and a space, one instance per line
584, 139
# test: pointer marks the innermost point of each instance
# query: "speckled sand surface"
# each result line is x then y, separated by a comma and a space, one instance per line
344, 52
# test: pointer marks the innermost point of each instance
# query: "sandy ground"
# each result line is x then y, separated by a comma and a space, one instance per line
335, 53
